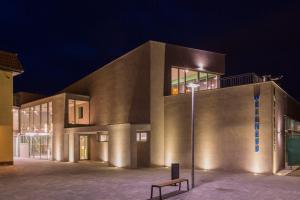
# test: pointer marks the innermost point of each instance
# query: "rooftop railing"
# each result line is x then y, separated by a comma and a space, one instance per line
241, 79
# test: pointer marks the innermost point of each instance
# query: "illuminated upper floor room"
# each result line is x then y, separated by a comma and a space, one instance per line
180, 78
37, 117
185, 65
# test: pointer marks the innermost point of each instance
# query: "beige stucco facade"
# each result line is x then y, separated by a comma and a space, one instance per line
6, 122
9, 67
157, 53
224, 129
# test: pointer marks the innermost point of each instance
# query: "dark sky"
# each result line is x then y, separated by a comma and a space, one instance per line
59, 42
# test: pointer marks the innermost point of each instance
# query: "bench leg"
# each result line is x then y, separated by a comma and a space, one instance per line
179, 186
151, 192
160, 193
187, 185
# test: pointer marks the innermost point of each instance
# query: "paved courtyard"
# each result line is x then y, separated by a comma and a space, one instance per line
35, 180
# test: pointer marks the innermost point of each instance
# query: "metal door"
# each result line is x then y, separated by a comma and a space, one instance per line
293, 149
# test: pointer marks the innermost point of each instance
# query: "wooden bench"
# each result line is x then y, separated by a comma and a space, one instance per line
170, 183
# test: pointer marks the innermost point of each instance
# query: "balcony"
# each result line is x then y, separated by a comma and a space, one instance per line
241, 79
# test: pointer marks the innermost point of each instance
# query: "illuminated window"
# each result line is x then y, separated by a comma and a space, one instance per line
82, 115
174, 74
202, 81
78, 111
44, 118
180, 78
103, 137
50, 115
190, 77
37, 118
31, 118
181, 81
212, 81
141, 136
24, 120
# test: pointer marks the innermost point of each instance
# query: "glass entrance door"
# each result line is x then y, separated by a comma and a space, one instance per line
84, 147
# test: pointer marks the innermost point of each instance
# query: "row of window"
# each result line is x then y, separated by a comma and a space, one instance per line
37, 118
140, 137
180, 78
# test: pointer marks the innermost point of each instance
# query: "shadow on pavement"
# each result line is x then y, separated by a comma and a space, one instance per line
169, 195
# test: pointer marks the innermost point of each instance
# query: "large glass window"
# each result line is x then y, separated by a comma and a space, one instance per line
37, 118
44, 118
174, 85
202, 81
31, 118
212, 81
50, 120
78, 112
181, 81
190, 77
25, 120
180, 78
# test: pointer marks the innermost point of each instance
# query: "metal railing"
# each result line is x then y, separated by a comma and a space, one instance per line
241, 79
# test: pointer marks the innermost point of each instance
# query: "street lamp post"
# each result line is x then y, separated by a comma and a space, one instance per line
193, 86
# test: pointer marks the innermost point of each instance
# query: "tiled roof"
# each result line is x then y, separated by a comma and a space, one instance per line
10, 62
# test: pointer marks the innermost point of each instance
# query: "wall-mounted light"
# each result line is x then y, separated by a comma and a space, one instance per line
201, 67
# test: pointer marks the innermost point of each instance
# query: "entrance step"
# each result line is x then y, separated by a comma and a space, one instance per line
284, 172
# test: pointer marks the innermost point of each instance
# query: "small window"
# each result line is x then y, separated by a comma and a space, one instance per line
141, 136
102, 137
80, 112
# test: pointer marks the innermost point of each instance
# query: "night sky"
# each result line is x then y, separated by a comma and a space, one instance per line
59, 42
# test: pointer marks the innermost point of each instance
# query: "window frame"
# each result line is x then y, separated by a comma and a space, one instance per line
80, 112
76, 112
139, 136
185, 71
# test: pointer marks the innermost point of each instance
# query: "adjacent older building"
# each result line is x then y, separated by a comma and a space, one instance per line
9, 67
136, 112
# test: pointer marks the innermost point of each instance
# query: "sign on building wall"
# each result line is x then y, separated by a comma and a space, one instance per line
256, 118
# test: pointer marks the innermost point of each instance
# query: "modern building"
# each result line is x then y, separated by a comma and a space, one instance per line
136, 112
9, 67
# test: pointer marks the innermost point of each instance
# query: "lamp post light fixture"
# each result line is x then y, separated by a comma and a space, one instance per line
193, 86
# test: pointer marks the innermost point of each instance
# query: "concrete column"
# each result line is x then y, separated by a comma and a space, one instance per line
71, 147
103, 151
59, 149
119, 145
